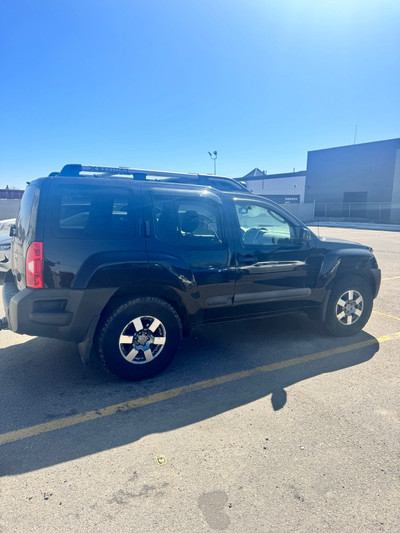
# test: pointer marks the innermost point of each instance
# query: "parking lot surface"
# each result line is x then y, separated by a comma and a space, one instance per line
260, 426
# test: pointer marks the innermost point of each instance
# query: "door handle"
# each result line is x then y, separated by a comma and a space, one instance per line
247, 259
145, 226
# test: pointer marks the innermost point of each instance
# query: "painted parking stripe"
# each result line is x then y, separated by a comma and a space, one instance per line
61, 423
386, 315
388, 279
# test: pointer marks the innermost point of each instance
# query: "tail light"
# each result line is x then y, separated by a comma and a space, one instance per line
34, 265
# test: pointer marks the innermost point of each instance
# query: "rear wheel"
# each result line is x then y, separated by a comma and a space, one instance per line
139, 338
349, 306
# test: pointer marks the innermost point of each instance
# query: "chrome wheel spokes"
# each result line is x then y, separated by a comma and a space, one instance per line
349, 307
142, 340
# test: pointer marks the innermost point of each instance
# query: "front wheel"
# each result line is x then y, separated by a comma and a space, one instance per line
139, 338
349, 307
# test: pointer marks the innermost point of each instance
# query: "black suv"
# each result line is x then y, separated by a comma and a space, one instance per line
125, 261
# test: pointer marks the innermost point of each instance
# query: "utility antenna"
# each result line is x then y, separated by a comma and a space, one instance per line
355, 135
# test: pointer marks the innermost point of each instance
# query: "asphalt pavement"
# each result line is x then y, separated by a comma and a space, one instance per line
259, 426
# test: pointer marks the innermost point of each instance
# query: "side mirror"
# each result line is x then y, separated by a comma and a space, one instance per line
13, 230
305, 234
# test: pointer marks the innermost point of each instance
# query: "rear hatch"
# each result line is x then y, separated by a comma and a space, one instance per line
24, 233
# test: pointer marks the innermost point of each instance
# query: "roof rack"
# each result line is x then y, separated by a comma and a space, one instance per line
218, 182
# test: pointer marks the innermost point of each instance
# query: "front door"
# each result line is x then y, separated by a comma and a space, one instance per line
276, 270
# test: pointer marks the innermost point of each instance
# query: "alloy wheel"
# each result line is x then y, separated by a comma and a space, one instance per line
349, 307
142, 340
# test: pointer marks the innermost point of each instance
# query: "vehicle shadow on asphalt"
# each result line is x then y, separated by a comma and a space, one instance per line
44, 380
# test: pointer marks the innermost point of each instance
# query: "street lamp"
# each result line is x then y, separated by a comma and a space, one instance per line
214, 156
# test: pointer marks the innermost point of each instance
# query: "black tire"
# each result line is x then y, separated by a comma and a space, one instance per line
128, 360
344, 316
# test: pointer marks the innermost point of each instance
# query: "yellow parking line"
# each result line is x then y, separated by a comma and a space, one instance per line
387, 279
69, 421
386, 315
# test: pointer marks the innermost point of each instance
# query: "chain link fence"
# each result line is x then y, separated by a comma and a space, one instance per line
378, 212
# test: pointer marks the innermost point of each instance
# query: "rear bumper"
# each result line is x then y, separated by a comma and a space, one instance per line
56, 313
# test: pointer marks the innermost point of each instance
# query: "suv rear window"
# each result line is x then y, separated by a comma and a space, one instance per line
27, 212
93, 212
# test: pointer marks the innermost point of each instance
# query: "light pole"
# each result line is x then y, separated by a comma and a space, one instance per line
214, 156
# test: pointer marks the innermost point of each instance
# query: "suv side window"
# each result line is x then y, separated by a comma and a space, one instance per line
262, 225
81, 211
192, 222
26, 219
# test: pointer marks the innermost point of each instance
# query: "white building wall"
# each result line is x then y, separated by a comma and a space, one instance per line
286, 186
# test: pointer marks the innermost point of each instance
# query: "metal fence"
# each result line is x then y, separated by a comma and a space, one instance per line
378, 212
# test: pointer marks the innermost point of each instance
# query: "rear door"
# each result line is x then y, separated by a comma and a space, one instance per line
188, 248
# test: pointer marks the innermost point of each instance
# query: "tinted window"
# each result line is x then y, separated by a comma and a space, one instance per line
25, 219
83, 211
262, 225
190, 222
75, 210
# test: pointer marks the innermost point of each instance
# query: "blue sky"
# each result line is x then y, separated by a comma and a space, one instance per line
158, 84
